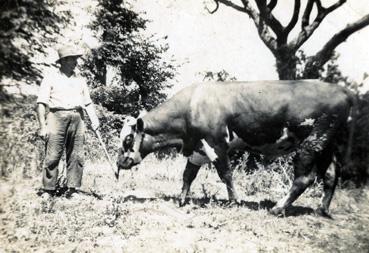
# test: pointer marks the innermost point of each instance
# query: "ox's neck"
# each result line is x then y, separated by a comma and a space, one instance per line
169, 118
166, 126
153, 143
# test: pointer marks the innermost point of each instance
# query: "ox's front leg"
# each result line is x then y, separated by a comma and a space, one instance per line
189, 175
223, 167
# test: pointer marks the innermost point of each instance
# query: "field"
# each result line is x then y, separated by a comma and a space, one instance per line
140, 213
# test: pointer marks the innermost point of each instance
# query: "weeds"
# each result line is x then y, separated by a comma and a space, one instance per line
139, 213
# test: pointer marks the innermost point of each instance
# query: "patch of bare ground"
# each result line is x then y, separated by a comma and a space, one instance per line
140, 213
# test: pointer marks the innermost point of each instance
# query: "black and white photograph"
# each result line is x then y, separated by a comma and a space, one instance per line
184, 126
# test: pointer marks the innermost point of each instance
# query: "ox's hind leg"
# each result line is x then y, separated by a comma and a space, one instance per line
189, 175
330, 182
305, 161
328, 171
305, 174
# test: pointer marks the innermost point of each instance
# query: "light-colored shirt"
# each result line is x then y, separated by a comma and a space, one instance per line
61, 92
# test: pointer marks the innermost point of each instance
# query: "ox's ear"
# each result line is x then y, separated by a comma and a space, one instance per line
140, 125
142, 113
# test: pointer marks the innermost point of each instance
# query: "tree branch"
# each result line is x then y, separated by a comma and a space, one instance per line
227, 3
319, 6
250, 11
294, 18
306, 16
260, 24
270, 20
334, 6
216, 7
272, 4
308, 30
326, 52
266, 37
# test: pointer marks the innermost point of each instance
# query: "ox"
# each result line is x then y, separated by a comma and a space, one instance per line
272, 118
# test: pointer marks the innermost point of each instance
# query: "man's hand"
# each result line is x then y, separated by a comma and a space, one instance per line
95, 125
42, 132
41, 115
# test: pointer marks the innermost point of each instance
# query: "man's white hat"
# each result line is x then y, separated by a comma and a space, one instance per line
66, 51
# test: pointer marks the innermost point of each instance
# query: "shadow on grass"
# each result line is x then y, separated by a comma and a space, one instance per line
207, 202
62, 192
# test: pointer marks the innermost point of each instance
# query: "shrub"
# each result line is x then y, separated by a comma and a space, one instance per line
22, 151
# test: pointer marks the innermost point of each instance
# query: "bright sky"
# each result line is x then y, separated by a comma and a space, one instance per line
228, 39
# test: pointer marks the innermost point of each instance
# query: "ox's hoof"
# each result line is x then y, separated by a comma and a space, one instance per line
322, 212
278, 211
232, 203
183, 202
236, 202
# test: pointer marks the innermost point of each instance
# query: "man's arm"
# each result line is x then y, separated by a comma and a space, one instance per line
41, 115
42, 102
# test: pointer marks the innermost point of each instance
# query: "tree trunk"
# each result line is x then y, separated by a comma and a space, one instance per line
101, 74
312, 69
286, 62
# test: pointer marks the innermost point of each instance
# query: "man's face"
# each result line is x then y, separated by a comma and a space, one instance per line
69, 63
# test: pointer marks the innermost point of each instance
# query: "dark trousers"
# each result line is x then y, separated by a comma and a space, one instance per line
66, 132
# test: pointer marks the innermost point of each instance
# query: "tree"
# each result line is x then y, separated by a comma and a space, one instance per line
275, 36
360, 147
25, 27
136, 60
220, 76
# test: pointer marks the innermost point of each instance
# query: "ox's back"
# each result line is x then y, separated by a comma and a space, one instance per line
256, 109
245, 103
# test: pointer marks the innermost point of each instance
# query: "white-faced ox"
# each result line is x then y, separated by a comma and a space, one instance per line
266, 117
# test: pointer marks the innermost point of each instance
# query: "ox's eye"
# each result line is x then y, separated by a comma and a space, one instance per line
128, 142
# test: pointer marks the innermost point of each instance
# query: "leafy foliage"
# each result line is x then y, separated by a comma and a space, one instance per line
219, 76
136, 60
25, 27
330, 72
21, 150
361, 149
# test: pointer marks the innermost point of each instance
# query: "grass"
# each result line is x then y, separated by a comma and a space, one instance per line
140, 213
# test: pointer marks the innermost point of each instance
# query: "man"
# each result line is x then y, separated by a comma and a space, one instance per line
66, 95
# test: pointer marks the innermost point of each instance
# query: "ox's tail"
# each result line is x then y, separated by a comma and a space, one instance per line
351, 127
343, 154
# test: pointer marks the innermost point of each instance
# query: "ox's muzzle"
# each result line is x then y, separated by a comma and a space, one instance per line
125, 163
128, 157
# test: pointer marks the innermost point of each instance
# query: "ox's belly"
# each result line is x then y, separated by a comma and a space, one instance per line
274, 149
268, 149
285, 143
